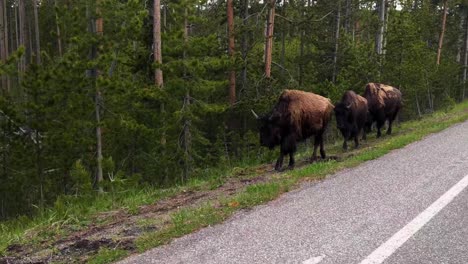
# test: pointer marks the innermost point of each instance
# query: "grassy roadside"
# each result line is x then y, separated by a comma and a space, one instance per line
70, 217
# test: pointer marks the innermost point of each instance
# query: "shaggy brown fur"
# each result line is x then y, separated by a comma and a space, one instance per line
297, 116
384, 104
351, 115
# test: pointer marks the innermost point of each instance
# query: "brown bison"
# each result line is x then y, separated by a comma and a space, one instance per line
296, 116
384, 103
351, 116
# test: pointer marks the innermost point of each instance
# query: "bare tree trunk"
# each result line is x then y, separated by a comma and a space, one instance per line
380, 32
17, 31
417, 105
283, 40
301, 49
96, 27
460, 42
59, 40
36, 29
164, 23
245, 44
441, 37
388, 3
6, 35
22, 33
231, 46
348, 16
30, 48
100, 32
187, 136
158, 74
269, 37
337, 41
465, 57
3, 41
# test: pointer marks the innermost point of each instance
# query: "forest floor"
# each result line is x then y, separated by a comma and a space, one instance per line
110, 235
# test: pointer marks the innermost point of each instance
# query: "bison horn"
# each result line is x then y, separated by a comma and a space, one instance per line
255, 114
348, 106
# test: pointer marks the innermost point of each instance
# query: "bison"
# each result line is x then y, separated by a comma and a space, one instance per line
351, 116
296, 116
384, 103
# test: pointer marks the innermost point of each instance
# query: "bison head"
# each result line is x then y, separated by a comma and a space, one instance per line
270, 132
343, 118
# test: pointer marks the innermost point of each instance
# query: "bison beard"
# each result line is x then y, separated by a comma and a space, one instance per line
384, 103
296, 116
351, 116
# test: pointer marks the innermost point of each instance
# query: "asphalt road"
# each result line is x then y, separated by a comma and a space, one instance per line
409, 206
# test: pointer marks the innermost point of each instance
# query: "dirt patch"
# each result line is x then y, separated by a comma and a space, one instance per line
15, 248
185, 198
85, 245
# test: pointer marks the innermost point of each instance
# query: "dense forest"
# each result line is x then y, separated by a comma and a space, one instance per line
138, 92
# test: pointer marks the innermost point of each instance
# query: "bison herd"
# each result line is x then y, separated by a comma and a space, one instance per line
299, 115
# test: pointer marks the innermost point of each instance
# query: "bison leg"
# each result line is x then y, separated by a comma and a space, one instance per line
291, 160
364, 136
279, 162
389, 130
356, 140
318, 142
347, 136
316, 145
322, 149
345, 144
379, 127
390, 122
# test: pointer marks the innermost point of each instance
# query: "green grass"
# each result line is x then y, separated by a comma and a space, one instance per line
183, 222
77, 213
107, 256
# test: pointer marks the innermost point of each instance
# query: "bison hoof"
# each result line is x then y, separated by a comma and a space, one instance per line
314, 159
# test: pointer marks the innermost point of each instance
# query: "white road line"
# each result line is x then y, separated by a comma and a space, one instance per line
314, 260
398, 239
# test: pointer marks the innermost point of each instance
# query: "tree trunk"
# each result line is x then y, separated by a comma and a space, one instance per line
301, 49
388, 3
245, 44
441, 37
380, 32
187, 136
164, 23
269, 37
36, 29
17, 40
22, 33
417, 105
3, 41
158, 74
348, 16
460, 42
337, 41
96, 27
30, 48
59, 40
232, 72
283, 40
